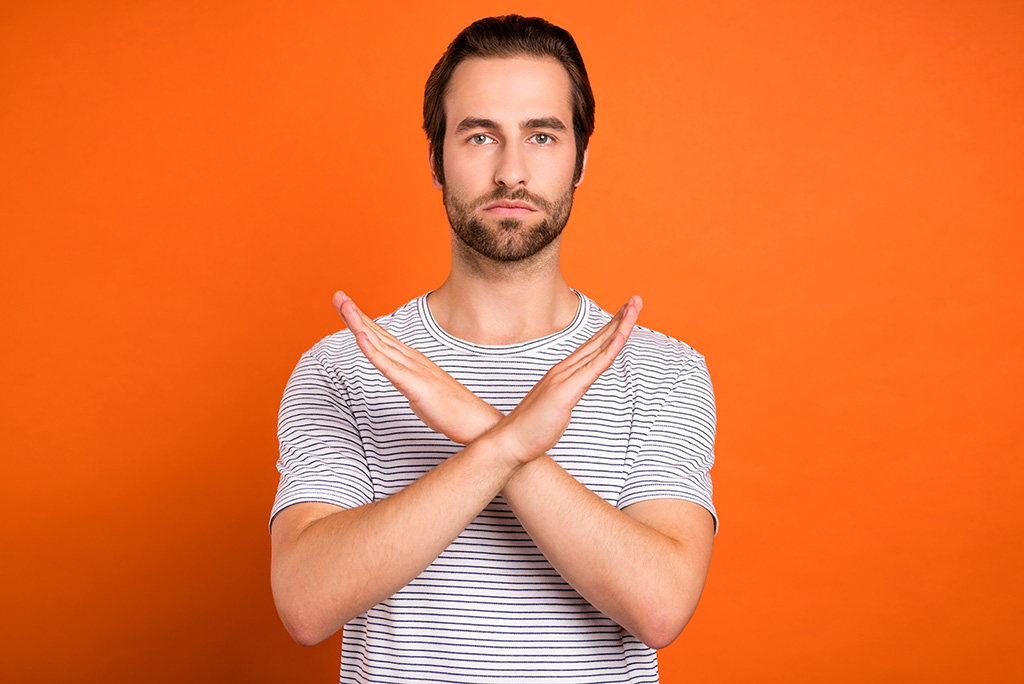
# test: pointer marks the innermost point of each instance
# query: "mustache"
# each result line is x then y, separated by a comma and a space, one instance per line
503, 193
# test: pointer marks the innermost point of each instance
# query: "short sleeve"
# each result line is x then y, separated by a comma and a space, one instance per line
675, 459
321, 454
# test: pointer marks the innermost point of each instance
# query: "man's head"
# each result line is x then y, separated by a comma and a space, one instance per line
505, 37
510, 157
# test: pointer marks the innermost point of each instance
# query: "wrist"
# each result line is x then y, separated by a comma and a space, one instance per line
503, 444
486, 420
472, 424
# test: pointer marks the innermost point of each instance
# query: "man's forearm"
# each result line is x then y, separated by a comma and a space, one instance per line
331, 565
646, 574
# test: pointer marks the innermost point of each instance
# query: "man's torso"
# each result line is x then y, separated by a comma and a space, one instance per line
491, 607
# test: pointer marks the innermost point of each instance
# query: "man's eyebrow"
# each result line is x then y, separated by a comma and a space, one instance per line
470, 123
549, 122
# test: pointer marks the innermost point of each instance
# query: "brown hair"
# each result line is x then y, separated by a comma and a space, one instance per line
509, 36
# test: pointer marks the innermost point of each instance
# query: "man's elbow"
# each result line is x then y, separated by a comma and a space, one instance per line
303, 627
663, 621
659, 634
305, 636
300, 615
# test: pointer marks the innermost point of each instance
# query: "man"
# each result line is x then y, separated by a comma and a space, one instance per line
498, 481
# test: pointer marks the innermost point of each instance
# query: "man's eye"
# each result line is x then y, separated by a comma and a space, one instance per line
542, 138
480, 139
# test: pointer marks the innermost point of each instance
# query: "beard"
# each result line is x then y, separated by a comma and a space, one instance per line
510, 239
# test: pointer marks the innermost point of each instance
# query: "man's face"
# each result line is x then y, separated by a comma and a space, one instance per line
509, 155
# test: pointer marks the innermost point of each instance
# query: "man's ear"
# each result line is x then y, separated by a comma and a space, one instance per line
433, 166
583, 168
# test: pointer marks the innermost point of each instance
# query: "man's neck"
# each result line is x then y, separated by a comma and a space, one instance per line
486, 302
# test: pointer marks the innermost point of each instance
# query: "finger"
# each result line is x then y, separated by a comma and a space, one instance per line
591, 368
374, 336
586, 373
597, 339
613, 344
583, 372
571, 386
389, 360
630, 316
375, 356
383, 337
627, 318
387, 353
357, 322
348, 314
338, 299
387, 348
621, 324
356, 315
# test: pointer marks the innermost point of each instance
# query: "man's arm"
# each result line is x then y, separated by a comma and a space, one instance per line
643, 566
330, 564
384, 545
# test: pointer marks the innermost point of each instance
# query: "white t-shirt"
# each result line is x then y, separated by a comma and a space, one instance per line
491, 608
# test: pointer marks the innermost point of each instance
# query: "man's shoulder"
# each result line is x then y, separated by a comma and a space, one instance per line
652, 342
656, 347
647, 342
660, 361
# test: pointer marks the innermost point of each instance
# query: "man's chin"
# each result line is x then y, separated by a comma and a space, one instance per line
507, 224
509, 246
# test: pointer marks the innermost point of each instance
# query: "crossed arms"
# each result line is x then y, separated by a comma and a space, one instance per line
643, 566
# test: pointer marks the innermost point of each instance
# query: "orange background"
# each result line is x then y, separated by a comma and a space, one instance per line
823, 198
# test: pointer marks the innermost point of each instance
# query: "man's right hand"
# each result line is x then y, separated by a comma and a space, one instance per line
439, 400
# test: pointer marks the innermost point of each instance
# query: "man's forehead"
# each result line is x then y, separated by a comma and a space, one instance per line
509, 90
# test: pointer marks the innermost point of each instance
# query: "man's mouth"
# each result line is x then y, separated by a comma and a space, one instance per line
509, 208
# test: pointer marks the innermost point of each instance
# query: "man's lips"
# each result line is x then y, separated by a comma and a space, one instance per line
509, 208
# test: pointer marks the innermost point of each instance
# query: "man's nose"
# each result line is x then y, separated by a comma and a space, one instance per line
512, 169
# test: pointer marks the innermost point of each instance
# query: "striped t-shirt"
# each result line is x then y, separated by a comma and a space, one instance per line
491, 608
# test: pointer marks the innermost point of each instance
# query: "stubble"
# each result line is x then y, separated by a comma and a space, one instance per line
510, 239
